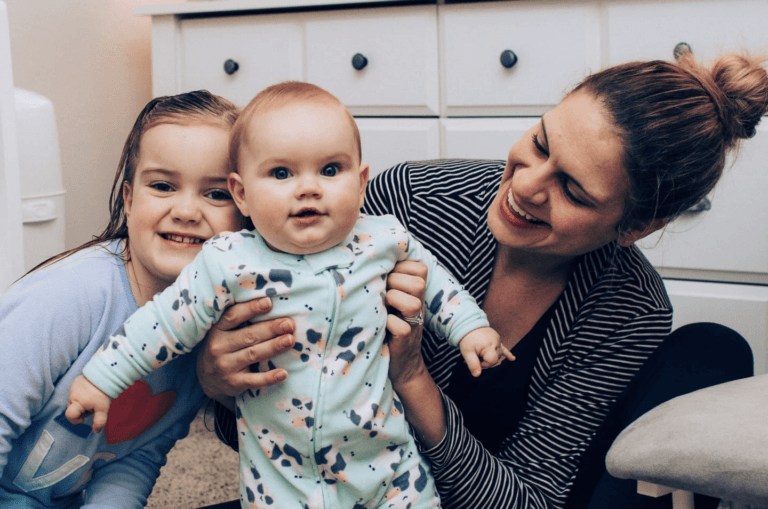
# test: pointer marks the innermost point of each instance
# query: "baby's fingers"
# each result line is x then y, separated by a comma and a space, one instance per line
473, 363
507, 354
99, 421
75, 413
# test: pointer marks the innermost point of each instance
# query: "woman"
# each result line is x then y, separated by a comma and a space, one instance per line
545, 244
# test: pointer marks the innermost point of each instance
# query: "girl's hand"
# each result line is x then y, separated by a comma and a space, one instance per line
224, 360
405, 297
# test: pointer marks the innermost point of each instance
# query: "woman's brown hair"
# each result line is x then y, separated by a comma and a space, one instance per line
191, 108
678, 121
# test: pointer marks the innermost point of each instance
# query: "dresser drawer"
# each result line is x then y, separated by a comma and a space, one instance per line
647, 29
555, 45
733, 235
482, 138
400, 50
267, 50
389, 141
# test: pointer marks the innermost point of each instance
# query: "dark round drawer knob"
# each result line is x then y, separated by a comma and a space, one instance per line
680, 49
359, 61
231, 67
508, 58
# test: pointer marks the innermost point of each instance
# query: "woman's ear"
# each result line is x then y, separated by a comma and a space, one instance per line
127, 198
365, 171
237, 190
632, 236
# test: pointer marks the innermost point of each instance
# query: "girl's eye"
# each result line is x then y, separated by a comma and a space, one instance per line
219, 195
536, 143
280, 173
163, 187
330, 170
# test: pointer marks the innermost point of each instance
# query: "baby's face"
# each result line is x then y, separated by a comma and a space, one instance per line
300, 178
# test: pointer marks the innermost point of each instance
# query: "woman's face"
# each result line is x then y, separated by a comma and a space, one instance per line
178, 199
564, 186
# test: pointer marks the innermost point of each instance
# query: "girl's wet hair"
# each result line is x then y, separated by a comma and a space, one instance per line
678, 121
191, 108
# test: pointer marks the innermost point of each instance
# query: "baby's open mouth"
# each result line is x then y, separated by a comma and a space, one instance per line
307, 213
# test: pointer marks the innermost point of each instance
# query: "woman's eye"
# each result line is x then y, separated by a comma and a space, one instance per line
219, 195
163, 187
539, 146
330, 170
564, 182
281, 173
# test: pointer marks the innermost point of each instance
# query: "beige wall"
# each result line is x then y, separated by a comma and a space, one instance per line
92, 59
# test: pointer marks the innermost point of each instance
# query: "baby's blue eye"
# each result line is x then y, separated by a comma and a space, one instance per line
280, 173
330, 170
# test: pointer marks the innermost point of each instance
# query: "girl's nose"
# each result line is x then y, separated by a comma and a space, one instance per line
187, 209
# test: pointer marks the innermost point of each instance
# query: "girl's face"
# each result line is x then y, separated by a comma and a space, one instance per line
178, 199
564, 187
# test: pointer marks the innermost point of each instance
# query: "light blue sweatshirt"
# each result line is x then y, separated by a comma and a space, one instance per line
51, 323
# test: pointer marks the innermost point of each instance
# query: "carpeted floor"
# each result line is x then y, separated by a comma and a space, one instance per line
200, 471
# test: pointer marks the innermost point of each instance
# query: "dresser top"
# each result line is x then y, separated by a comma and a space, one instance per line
232, 6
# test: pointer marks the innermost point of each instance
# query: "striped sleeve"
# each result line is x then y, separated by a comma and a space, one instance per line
611, 317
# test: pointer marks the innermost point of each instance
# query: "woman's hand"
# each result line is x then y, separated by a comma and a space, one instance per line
224, 360
406, 286
414, 385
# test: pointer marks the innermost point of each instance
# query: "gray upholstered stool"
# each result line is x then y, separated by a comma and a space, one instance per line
713, 441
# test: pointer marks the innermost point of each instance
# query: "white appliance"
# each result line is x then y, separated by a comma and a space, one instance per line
31, 194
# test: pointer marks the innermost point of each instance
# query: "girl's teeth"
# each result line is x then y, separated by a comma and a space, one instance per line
184, 240
513, 206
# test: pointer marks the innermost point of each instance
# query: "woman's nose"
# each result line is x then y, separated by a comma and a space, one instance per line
530, 184
187, 209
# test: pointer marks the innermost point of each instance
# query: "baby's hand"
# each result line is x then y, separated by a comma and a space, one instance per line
482, 349
84, 399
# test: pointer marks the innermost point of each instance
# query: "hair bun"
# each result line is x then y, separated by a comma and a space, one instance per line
741, 93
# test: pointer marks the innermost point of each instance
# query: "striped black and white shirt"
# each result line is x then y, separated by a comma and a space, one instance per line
612, 315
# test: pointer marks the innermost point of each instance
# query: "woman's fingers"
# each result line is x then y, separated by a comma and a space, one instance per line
240, 313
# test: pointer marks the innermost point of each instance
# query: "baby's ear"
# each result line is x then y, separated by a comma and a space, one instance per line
237, 190
364, 175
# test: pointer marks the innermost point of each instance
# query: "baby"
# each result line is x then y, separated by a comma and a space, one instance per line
333, 433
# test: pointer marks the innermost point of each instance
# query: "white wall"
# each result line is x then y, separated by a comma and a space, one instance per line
92, 59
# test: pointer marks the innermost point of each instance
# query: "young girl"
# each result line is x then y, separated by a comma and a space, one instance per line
169, 196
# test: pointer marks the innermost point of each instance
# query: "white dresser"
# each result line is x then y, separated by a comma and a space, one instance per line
430, 80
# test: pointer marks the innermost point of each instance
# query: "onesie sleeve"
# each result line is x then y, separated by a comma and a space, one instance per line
451, 312
45, 322
169, 325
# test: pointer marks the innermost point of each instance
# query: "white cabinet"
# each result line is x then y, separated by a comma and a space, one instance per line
646, 29
388, 141
467, 79
396, 50
547, 48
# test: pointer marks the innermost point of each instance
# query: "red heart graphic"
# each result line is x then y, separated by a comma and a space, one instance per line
135, 411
